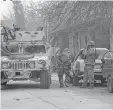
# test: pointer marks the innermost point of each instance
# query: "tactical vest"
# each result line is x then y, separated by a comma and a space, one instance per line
90, 58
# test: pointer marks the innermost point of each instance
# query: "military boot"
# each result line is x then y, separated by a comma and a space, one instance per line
91, 86
67, 81
61, 86
66, 84
84, 85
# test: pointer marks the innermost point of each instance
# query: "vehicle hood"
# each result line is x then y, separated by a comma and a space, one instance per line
39, 57
23, 57
97, 61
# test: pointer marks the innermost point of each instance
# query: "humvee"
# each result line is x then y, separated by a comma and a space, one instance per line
27, 59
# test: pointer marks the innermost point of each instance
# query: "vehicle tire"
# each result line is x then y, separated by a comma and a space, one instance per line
103, 80
110, 85
4, 84
3, 76
50, 80
50, 71
71, 80
75, 80
44, 79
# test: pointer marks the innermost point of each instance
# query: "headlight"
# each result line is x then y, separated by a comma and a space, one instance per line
5, 65
32, 65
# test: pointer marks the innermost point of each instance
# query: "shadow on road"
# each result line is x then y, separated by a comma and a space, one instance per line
55, 84
21, 86
100, 85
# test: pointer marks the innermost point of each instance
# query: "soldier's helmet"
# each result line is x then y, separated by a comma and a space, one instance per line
91, 43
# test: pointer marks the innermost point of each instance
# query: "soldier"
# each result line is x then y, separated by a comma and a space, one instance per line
89, 56
63, 67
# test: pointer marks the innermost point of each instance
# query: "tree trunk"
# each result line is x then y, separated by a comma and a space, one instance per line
111, 31
19, 14
64, 41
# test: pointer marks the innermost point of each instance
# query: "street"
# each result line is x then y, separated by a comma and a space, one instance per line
27, 95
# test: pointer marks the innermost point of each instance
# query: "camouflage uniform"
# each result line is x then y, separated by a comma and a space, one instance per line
63, 67
89, 59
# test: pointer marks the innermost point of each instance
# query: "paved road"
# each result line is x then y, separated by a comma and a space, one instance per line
27, 95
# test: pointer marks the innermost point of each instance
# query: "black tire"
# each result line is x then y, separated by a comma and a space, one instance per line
50, 71
103, 80
50, 80
75, 80
3, 76
110, 85
44, 79
4, 84
71, 80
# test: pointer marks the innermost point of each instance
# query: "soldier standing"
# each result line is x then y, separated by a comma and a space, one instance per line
89, 55
63, 67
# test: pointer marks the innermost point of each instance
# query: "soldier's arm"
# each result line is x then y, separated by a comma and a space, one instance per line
76, 57
91, 51
84, 52
58, 60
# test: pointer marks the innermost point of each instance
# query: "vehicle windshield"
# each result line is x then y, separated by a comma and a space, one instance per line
35, 49
13, 49
100, 53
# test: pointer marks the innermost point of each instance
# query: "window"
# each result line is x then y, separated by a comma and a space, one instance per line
35, 49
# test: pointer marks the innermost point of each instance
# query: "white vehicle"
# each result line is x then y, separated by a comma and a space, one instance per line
78, 67
28, 59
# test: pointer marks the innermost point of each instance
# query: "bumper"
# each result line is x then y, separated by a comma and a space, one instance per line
35, 69
81, 72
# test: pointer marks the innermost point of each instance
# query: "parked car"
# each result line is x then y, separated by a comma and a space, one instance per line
78, 67
107, 69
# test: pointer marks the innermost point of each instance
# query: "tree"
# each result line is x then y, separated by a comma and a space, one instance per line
19, 14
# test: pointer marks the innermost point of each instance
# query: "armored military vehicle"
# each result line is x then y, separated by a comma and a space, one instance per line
27, 58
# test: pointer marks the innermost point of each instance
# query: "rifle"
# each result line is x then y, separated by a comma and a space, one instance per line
80, 53
6, 34
76, 56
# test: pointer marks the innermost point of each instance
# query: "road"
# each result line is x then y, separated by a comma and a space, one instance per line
27, 95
